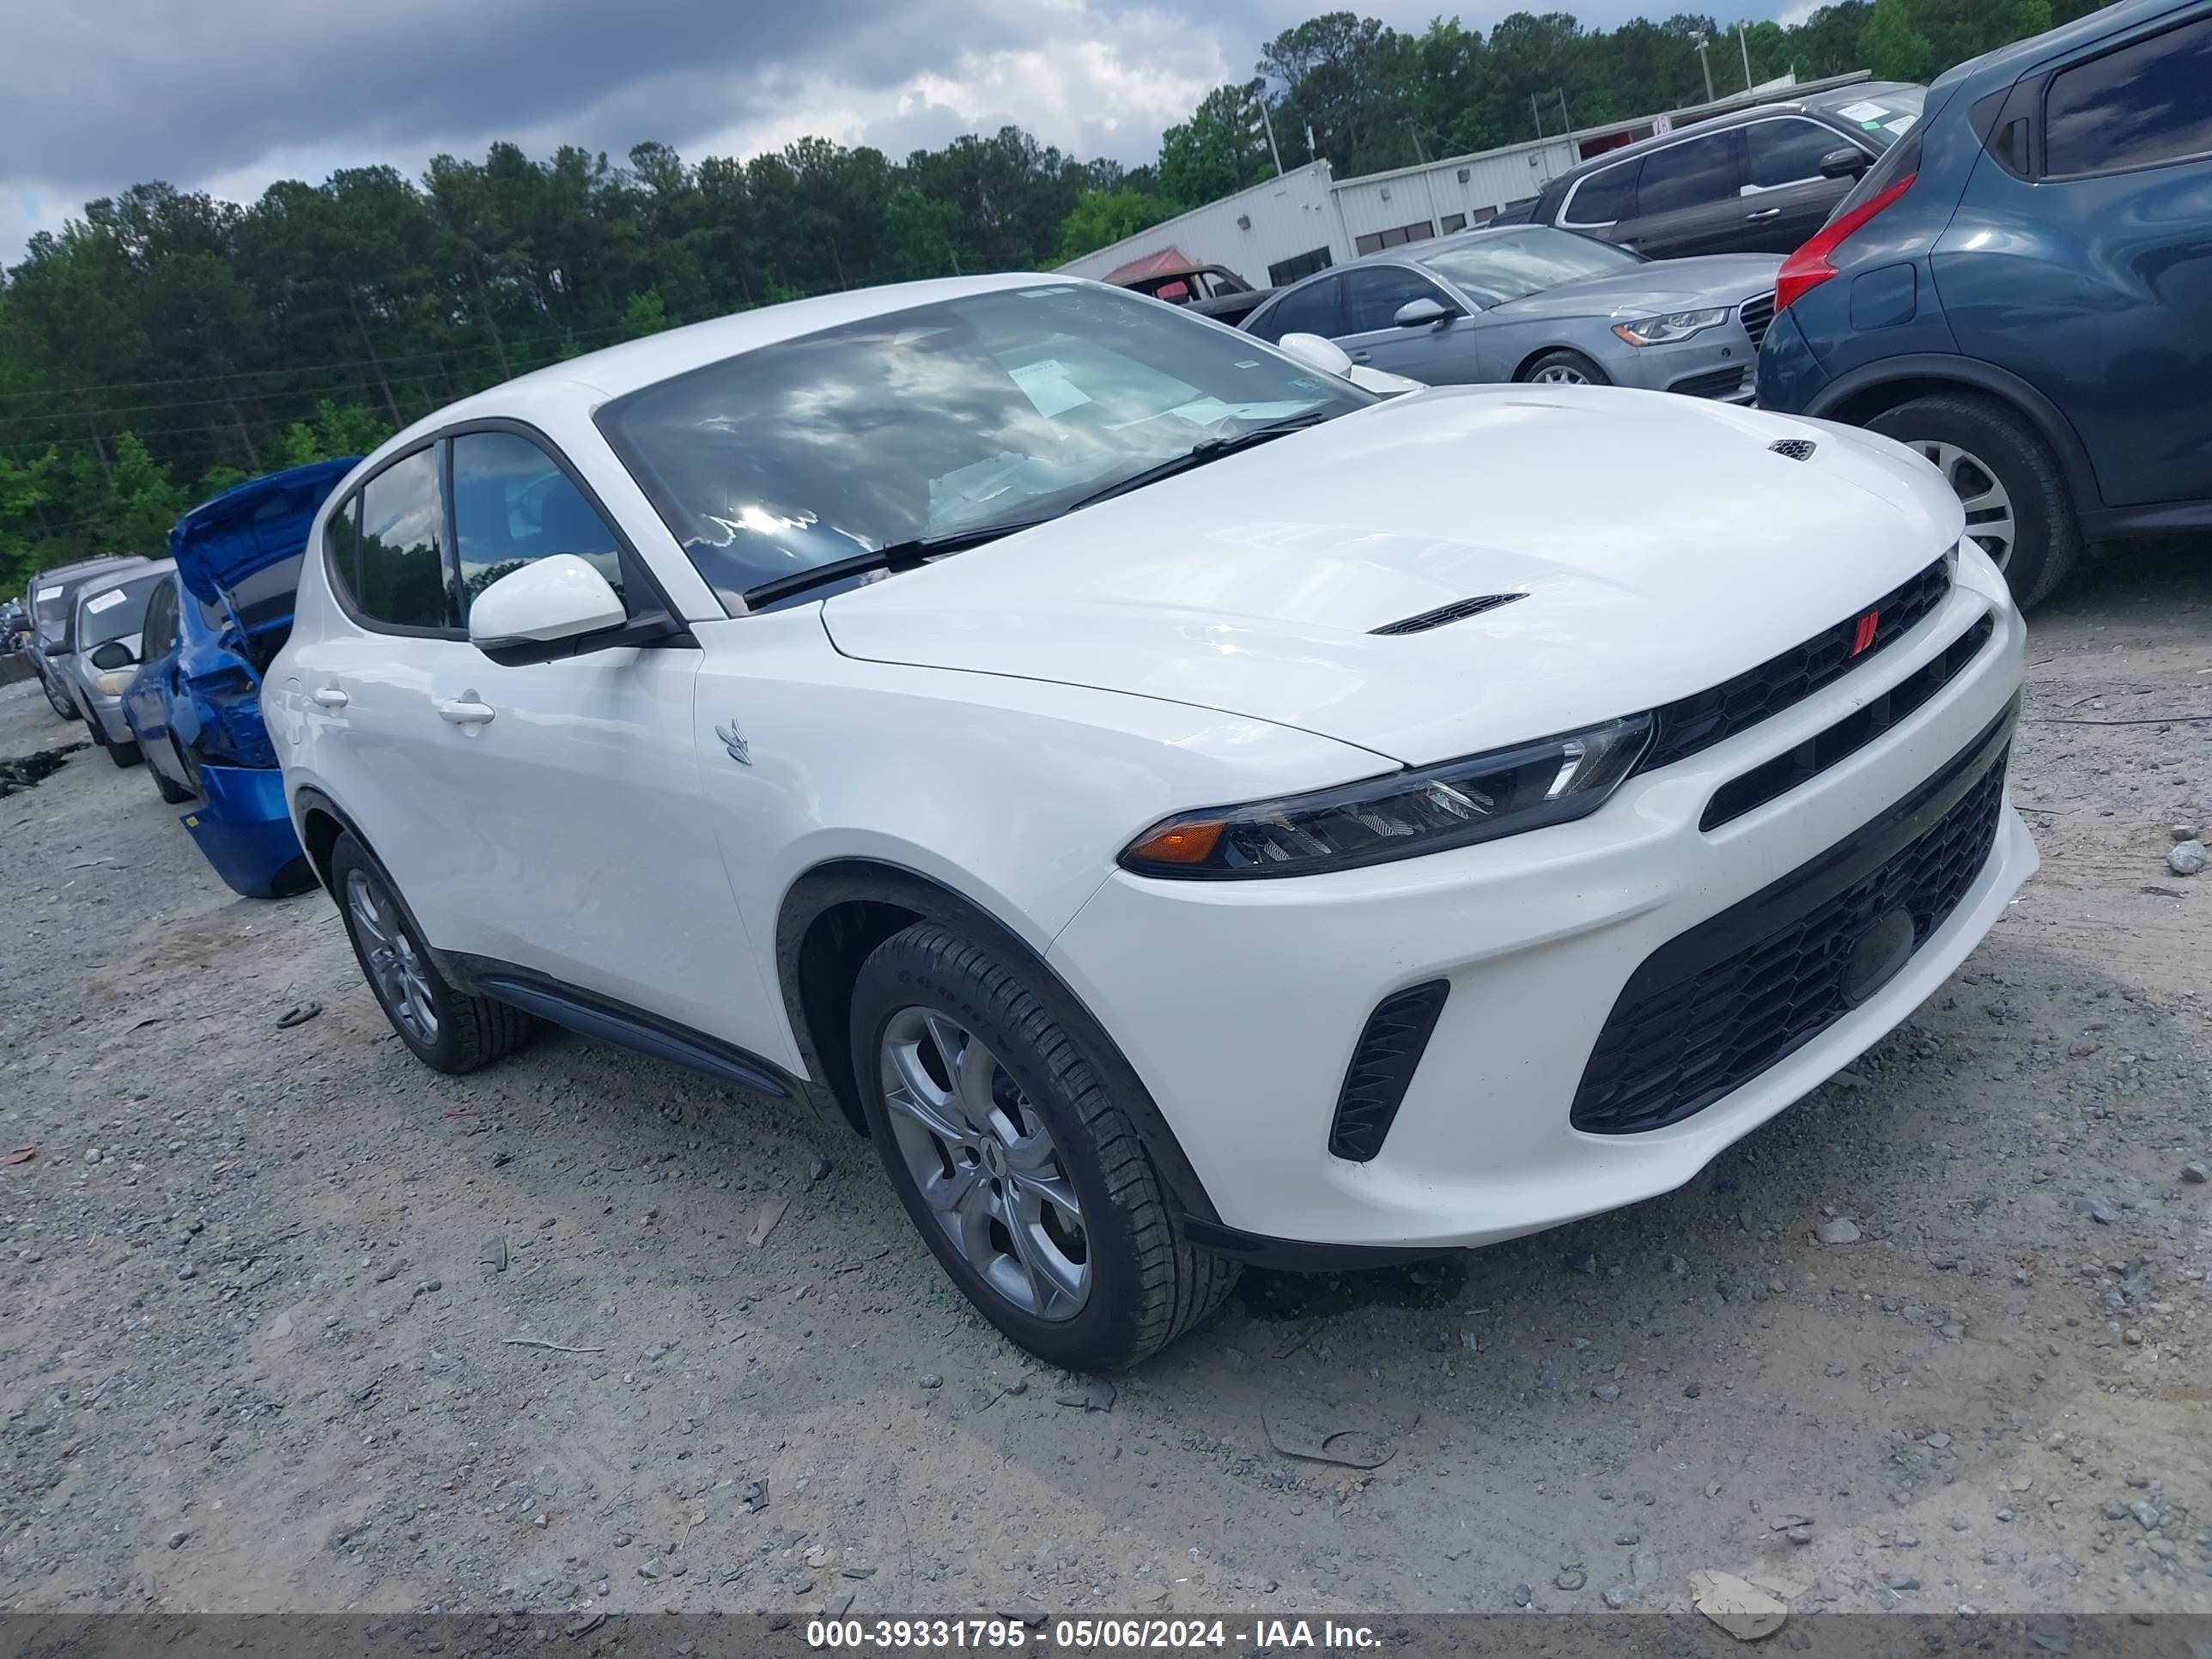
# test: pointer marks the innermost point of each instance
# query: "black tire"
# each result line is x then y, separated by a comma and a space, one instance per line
470, 1030
123, 754
1572, 362
176, 794
1148, 1285
2046, 539
55, 701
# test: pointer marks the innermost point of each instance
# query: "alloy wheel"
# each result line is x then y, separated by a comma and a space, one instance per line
1560, 375
395, 966
984, 1164
1990, 519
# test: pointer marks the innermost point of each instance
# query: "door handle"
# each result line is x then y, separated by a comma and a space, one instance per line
328, 697
1764, 213
465, 711
1361, 357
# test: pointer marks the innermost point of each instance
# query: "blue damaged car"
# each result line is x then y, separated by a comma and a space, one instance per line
194, 704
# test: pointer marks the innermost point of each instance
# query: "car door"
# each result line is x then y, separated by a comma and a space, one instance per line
146, 699
1689, 199
2081, 256
1439, 353
1785, 197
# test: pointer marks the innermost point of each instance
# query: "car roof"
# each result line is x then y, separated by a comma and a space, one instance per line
2002, 62
1823, 103
84, 568
123, 576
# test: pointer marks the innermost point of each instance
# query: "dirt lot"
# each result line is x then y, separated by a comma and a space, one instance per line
252, 1355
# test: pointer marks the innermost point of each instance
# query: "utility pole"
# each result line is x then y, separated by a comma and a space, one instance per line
1267, 121
1537, 119
1742, 41
1566, 124
1413, 128
1706, 64
1313, 150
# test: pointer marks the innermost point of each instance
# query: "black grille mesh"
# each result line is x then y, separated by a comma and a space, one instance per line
1381, 1068
1458, 611
1713, 383
1680, 1038
1756, 315
1698, 722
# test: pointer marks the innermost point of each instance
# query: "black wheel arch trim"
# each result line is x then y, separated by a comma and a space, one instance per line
841, 881
1297, 1256
1972, 375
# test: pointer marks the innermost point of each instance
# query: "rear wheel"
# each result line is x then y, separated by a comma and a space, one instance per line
1564, 368
448, 1029
2018, 511
123, 754
1025, 1175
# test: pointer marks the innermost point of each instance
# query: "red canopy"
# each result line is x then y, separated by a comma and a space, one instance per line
1168, 258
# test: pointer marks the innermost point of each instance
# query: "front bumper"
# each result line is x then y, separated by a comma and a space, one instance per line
1239, 1003
1720, 363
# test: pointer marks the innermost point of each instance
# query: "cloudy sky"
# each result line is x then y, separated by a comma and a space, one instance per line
227, 95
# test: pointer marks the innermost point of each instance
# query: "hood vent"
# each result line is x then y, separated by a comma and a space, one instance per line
1794, 449
1458, 611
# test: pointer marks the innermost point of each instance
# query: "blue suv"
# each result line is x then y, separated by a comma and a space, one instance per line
2020, 288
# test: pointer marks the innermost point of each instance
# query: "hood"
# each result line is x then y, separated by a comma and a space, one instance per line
1715, 279
1660, 547
244, 531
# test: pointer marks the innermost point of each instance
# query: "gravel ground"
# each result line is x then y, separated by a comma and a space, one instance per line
289, 1323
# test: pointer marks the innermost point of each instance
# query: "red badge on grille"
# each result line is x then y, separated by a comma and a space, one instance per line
1864, 637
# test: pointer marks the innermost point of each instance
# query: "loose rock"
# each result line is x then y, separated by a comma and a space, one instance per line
1841, 1231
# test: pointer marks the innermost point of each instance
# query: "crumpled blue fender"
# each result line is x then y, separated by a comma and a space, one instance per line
245, 829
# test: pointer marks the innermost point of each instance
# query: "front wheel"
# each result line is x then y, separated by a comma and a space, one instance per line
55, 701
448, 1029
2017, 508
1026, 1178
1564, 368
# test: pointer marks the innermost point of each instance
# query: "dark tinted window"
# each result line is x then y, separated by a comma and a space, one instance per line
1373, 293
1311, 310
1788, 152
987, 410
402, 558
512, 504
1607, 195
1689, 174
159, 635
2135, 108
1285, 272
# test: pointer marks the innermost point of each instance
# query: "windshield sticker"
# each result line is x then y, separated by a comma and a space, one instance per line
1045, 385
107, 601
46, 593
1901, 124
1864, 112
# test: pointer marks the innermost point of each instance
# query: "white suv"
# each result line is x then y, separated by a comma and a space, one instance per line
1182, 808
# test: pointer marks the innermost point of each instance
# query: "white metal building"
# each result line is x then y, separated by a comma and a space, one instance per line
1305, 219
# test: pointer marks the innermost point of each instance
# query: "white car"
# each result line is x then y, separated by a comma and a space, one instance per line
1184, 809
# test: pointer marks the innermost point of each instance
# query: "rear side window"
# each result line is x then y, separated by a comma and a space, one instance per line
1311, 310
158, 636
1604, 197
2142, 105
512, 504
401, 554
1693, 175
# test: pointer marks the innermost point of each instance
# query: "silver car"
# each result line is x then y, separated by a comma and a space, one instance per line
111, 618
1527, 303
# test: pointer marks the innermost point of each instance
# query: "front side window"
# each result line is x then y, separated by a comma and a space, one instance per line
401, 555
1607, 196
1511, 265
1788, 152
2143, 105
1373, 293
1311, 310
991, 410
1694, 174
512, 504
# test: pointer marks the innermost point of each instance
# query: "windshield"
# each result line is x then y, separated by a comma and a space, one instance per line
1885, 112
1514, 264
992, 409
115, 613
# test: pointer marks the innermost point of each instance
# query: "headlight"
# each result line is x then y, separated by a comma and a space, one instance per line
1674, 326
112, 683
1400, 815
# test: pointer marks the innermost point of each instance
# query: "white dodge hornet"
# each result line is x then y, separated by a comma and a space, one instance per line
1184, 809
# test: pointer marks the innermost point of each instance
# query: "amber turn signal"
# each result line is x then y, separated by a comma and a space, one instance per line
1186, 843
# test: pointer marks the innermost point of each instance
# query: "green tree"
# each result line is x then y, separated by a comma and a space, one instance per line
643, 315
1103, 217
1891, 47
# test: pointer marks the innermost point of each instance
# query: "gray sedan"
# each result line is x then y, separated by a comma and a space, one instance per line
1527, 303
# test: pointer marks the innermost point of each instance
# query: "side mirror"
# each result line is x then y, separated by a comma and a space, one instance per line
1314, 352
541, 611
57, 648
1848, 162
113, 653
1419, 314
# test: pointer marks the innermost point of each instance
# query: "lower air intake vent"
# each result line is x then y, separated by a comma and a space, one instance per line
1381, 1068
1794, 449
1459, 611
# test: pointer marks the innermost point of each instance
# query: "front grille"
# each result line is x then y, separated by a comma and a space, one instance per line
1757, 316
1697, 722
1382, 1069
1848, 735
1714, 383
1711, 1009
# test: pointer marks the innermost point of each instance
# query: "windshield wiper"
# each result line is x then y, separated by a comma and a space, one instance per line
898, 555
1208, 449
